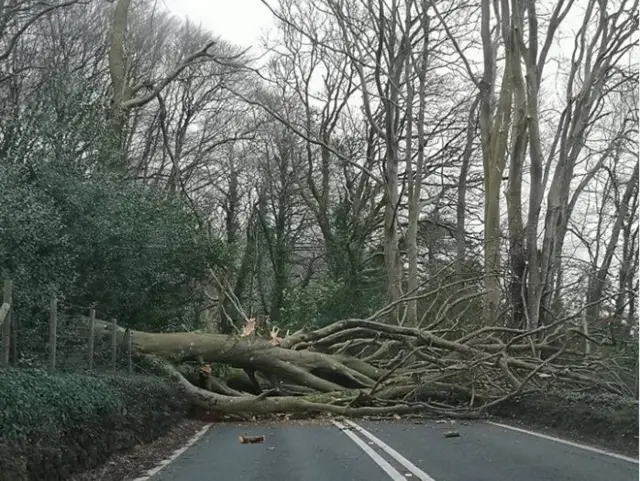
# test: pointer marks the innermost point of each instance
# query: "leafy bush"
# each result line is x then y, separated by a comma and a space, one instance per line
320, 304
305, 306
53, 426
34, 244
139, 255
134, 251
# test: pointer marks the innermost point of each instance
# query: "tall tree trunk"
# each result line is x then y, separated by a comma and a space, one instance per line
493, 133
414, 178
390, 101
117, 70
519, 136
461, 206
231, 205
598, 281
391, 253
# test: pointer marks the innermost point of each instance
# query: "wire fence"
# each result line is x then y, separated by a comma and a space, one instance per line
68, 344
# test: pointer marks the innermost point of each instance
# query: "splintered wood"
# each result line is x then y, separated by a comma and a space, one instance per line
245, 439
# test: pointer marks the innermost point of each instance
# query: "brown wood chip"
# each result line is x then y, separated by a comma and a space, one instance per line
244, 439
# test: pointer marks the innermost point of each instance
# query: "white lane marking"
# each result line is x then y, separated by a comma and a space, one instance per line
393, 473
569, 443
421, 475
163, 464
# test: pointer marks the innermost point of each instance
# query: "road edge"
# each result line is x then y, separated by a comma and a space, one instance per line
175, 455
567, 442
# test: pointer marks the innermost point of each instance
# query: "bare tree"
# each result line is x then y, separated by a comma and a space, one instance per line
128, 96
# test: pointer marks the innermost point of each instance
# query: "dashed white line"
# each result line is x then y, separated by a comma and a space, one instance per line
568, 443
163, 464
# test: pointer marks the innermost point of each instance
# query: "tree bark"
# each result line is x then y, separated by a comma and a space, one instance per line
461, 233
493, 134
117, 70
414, 179
519, 136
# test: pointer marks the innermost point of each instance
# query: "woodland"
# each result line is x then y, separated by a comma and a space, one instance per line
387, 207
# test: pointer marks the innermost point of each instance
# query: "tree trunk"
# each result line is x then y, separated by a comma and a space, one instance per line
414, 179
493, 134
519, 136
598, 281
117, 70
254, 353
461, 233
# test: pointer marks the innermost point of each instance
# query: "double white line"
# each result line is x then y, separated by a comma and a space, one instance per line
348, 427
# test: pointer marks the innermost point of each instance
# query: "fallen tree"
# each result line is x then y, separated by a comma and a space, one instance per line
361, 367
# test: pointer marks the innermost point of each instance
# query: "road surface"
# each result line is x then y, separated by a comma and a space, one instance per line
396, 451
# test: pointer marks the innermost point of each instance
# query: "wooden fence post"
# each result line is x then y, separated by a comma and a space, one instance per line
53, 326
636, 384
114, 343
6, 325
92, 334
129, 354
4, 313
14, 338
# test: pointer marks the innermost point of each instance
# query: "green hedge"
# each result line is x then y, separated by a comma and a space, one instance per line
52, 426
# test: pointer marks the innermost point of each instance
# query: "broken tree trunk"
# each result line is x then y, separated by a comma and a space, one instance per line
319, 371
404, 370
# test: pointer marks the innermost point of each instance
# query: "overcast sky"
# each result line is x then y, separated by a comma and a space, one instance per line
241, 22
244, 22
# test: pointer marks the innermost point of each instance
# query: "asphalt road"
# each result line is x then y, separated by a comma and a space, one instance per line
383, 451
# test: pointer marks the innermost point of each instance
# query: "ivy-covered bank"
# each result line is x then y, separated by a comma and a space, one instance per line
603, 419
53, 426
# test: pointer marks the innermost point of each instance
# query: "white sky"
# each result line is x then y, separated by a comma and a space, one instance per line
241, 22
